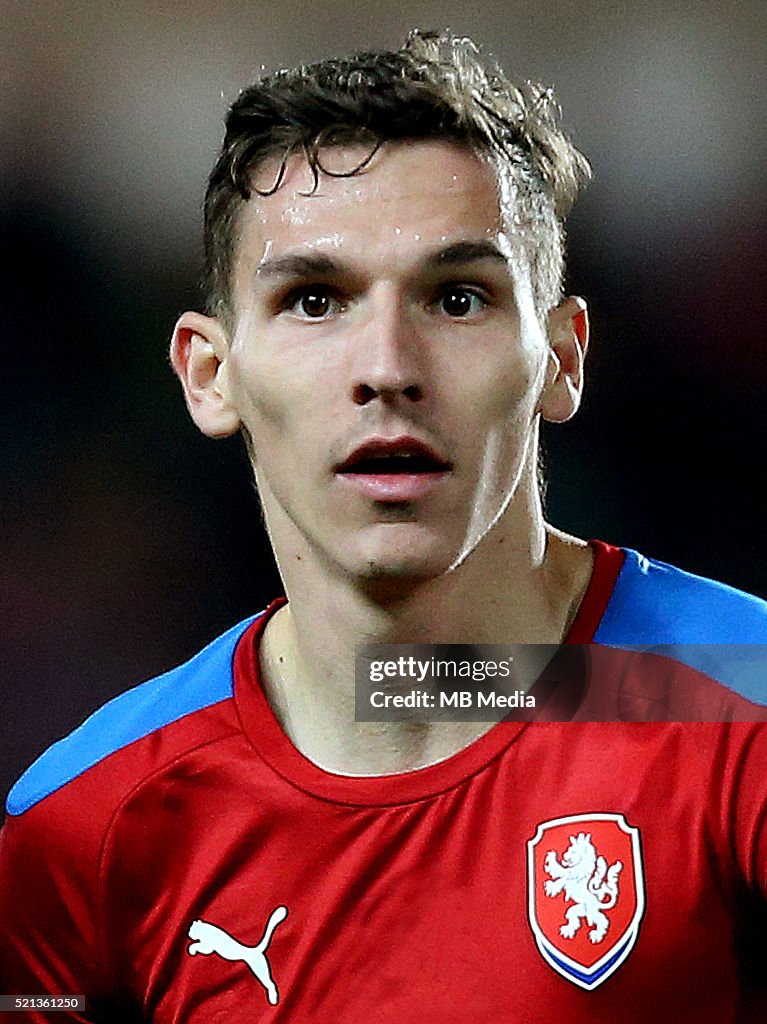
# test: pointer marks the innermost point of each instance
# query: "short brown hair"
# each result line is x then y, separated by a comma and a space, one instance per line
435, 87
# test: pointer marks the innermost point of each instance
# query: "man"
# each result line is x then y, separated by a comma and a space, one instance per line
385, 325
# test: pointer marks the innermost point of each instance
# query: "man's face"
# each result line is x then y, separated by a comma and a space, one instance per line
384, 362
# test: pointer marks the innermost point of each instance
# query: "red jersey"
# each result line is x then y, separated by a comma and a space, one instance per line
176, 859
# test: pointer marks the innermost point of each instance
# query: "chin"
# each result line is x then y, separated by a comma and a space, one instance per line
410, 560
405, 571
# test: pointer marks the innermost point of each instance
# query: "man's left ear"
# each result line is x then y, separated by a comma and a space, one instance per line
568, 331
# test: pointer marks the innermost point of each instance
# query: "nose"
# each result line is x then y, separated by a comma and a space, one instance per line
388, 358
364, 393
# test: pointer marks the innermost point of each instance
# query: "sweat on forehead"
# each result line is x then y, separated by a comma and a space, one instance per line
437, 87
419, 206
392, 178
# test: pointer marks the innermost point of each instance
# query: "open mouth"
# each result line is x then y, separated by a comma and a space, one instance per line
377, 465
395, 457
394, 470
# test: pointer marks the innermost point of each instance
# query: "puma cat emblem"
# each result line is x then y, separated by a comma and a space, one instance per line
209, 938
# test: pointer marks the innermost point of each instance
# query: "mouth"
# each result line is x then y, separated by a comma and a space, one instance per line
394, 469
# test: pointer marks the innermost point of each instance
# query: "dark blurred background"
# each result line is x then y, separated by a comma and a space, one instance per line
129, 540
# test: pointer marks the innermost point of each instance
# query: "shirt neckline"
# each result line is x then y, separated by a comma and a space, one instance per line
270, 741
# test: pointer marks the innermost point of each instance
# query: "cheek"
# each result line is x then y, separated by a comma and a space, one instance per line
511, 396
264, 413
264, 391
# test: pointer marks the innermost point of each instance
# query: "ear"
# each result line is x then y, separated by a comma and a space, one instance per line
199, 352
568, 330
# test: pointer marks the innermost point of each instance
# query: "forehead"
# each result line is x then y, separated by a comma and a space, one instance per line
409, 197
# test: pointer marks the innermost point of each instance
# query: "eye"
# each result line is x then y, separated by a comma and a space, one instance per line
460, 302
312, 303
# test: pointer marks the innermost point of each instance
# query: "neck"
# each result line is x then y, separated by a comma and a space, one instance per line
517, 586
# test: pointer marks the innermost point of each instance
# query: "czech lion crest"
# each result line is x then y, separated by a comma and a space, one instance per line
585, 894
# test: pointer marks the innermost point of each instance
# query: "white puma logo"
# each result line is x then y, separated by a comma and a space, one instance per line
209, 938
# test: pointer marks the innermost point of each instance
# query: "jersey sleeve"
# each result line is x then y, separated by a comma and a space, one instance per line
55, 936
740, 780
744, 787
48, 909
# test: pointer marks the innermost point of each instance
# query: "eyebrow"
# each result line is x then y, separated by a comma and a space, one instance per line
298, 266
466, 252
457, 254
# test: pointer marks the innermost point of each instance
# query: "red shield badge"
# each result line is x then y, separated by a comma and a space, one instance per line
586, 894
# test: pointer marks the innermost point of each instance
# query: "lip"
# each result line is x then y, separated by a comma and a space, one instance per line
393, 487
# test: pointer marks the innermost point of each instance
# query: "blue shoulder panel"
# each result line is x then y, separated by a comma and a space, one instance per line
713, 628
205, 680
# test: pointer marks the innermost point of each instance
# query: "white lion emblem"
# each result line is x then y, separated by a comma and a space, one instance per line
587, 882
